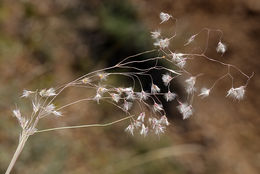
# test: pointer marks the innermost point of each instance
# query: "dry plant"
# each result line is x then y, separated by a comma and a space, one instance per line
151, 116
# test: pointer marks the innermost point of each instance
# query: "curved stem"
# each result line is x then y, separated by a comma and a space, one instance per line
84, 126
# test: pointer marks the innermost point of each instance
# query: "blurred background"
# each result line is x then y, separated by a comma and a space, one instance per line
47, 43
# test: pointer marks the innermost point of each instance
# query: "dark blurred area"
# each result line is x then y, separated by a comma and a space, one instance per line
51, 42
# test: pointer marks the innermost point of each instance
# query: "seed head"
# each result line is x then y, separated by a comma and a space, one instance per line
156, 34
130, 129
169, 96
127, 105
166, 78
185, 110
221, 48
236, 93
162, 43
155, 89
164, 17
143, 95
17, 113
86, 80
102, 76
204, 92
115, 97
144, 130
191, 39
26, 93
36, 106
164, 121
57, 113
190, 82
97, 97
130, 95
102, 90
141, 117
179, 59
47, 93
157, 107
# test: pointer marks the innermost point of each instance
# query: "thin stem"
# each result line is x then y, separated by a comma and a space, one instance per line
84, 126
18, 151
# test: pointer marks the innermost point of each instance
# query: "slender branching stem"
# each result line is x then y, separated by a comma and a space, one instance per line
43, 101
85, 126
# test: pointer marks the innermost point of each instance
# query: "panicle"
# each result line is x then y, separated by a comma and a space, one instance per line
166, 78
119, 90
159, 129
50, 109
137, 124
26, 93
128, 89
157, 126
115, 97
176, 57
162, 43
169, 96
179, 59
204, 92
47, 92
17, 113
191, 39
185, 110
36, 106
97, 97
57, 113
164, 17
141, 117
221, 48
130, 95
102, 90
153, 121
142, 95
236, 93
156, 34
157, 107
102, 76
144, 130
86, 80
130, 129
164, 121
155, 89
127, 105
124, 97
22, 120
190, 83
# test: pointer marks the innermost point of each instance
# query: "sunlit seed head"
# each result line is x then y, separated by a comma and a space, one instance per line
221, 48
236, 93
164, 17
27, 93
204, 92
185, 110
156, 34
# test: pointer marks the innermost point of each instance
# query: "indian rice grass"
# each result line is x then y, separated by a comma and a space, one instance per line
151, 117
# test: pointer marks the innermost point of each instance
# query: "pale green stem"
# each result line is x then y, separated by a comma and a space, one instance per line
85, 125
